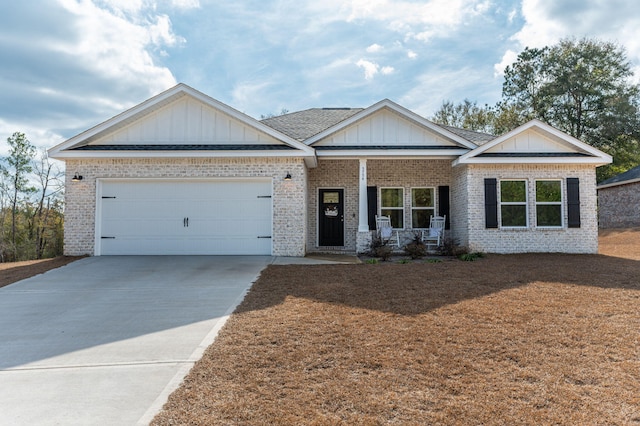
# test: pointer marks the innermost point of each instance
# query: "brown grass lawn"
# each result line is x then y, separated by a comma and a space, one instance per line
518, 339
521, 339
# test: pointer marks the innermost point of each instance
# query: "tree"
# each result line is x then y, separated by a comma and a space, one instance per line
583, 88
50, 186
283, 111
523, 82
466, 115
18, 166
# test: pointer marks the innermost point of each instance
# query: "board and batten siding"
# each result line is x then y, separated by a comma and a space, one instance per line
187, 121
384, 128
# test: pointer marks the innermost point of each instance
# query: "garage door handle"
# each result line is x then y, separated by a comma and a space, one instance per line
264, 236
185, 222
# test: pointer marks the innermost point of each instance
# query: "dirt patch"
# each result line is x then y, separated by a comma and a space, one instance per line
518, 339
620, 243
16, 271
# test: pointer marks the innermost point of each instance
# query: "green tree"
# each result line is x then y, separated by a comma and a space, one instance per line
17, 167
466, 115
582, 87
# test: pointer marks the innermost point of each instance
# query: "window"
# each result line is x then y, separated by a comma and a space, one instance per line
392, 205
513, 203
422, 207
548, 203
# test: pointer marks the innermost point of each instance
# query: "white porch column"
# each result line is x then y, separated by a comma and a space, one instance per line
363, 216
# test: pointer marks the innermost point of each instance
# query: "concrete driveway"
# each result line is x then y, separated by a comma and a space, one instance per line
105, 340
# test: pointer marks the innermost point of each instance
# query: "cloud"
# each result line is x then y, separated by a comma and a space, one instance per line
417, 20
370, 68
37, 135
411, 54
548, 21
186, 4
434, 86
387, 70
244, 94
509, 58
374, 48
74, 63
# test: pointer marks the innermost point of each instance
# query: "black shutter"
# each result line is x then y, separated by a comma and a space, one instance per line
443, 204
491, 203
573, 202
372, 206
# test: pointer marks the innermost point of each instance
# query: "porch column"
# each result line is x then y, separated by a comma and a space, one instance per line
363, 216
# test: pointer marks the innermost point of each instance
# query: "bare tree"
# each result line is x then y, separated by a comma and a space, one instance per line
50, 187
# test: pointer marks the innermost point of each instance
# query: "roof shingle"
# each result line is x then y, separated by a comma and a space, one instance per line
632, 174
302, 125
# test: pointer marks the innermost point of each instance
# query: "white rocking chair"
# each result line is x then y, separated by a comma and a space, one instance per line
385, 231
434, 236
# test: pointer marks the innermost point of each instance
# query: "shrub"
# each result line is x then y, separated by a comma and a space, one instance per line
404, 261
383, 252
372, 261
432, 260
416, 248
470, 257
380, 248
450, 247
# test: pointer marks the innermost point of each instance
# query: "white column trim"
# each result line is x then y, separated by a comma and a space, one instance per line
363, 215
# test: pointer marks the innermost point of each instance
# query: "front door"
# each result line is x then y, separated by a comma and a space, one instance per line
331, 217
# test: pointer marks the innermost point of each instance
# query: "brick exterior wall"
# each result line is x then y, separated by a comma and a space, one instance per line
334, 174
567, 240
289, 200
619, 206
295, 202
460, 206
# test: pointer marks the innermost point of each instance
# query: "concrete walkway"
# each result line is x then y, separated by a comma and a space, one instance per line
105, 340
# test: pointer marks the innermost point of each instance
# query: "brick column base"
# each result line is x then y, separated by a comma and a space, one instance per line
363, 242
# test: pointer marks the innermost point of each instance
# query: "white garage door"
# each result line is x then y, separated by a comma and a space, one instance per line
156, 217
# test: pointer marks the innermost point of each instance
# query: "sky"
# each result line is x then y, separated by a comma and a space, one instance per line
68, 65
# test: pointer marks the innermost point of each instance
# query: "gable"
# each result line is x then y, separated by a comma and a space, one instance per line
187, 121
385, 128
182, 122
532, 141
535, 143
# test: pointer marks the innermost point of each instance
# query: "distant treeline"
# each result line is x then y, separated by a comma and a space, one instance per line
31, 203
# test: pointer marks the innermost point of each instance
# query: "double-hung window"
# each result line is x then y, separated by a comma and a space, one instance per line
549, 203
513, 203
422, 207
392, 205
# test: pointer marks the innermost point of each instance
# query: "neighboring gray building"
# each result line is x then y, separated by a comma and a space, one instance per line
183, 173
619, 200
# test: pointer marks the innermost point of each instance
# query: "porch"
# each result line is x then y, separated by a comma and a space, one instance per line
346, 194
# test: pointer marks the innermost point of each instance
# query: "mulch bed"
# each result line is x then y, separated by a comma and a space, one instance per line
16, 271
518, 339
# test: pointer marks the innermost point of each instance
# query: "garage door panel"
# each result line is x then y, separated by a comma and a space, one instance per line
150, 217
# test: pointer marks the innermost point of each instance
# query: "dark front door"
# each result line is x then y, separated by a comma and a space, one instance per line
331, 217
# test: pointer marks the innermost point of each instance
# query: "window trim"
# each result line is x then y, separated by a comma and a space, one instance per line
412, 207
393, 208
524, 203
549, 203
